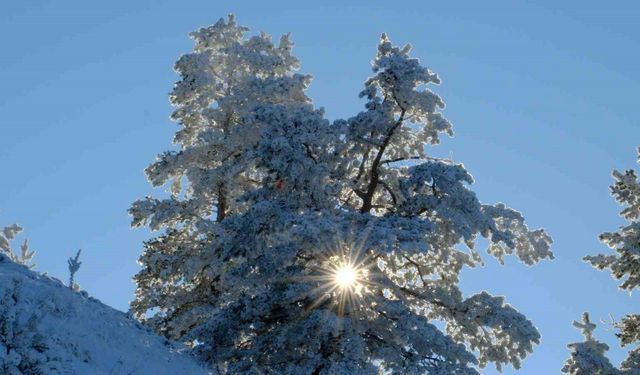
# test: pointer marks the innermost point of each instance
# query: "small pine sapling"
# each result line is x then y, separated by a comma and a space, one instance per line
588, 357
74, 266
26, 255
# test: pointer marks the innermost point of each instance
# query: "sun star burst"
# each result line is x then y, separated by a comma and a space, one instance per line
346, 277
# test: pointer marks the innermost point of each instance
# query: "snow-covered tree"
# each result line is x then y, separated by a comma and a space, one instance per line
338, 246
625, 263
224, 78
25, 257
631, 365
588, 357
74, 264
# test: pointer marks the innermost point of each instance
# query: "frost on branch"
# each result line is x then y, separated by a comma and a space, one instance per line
277, 200
496, 330
588, 357
625, 264
25, 256
513, 236
629, 329
225, 77
631, 365
74, 264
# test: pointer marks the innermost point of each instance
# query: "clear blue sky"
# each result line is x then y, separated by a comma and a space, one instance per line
543, 96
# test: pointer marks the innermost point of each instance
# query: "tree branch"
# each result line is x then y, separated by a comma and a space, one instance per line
401, 159
375, 173
309, 153
388, 189
417, 266
222, 204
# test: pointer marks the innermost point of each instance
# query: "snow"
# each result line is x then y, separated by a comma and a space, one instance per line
82, 335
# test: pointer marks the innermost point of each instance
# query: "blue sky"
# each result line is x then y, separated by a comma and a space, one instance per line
542, 96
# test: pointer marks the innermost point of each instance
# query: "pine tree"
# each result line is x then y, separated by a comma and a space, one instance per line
337, 245
25, 257
588, 357
625, 264
631, 365
74, 264
223, 79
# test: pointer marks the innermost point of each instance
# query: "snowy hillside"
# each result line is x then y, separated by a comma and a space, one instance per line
45, 328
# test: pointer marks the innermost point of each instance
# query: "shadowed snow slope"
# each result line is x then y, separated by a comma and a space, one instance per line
46, 328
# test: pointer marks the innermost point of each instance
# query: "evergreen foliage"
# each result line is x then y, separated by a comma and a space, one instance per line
291, 244
624, 265
25, 257
74, 264
588, 358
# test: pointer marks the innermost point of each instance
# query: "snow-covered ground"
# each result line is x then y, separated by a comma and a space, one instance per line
46, 328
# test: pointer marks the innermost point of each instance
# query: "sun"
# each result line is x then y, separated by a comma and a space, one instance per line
346, 277
343, 278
